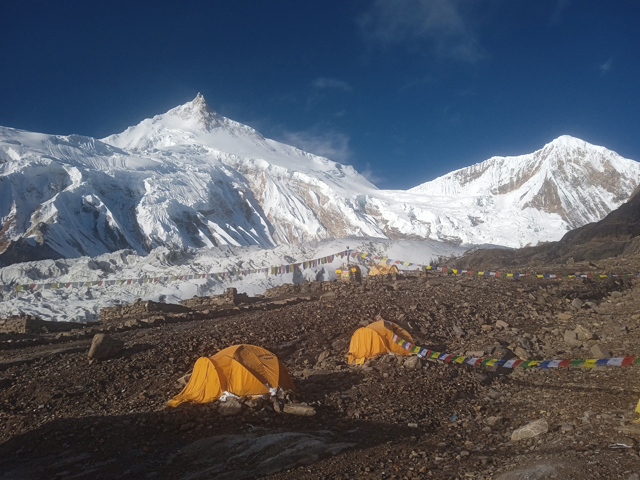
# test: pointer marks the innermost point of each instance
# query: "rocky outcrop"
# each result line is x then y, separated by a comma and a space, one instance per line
104, 347
139, 309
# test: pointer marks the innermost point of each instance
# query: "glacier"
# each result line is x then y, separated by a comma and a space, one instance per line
192, 178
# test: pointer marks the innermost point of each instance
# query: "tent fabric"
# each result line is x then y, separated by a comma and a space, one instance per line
383, 269
374, 339
240, 369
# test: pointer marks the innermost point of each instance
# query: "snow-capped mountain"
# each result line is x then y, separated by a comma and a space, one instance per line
193, 178
579, 182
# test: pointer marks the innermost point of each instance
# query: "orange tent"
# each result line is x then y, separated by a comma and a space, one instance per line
375, 339
383, 269
240, 369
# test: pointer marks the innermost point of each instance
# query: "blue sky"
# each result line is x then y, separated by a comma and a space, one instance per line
404, 91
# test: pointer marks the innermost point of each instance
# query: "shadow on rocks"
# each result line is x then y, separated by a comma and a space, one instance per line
137, 348
192, 442
320, 383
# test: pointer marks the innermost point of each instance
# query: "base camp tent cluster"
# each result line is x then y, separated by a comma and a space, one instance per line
248, 370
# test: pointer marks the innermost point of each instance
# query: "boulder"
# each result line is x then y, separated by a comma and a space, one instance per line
328, 297
571, 338
412, 363
502, 324
583, 334
104, 347
530, 430
475, 353
183, 380
576, 303
230, 407
522, 353
599, 352
458, 330
494, 421
299, 409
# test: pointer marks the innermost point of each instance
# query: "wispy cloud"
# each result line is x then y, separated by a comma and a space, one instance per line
331, 144
606, 66
322, 83
439, 24
370, 174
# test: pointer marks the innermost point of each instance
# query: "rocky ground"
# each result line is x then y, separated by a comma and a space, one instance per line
64, 415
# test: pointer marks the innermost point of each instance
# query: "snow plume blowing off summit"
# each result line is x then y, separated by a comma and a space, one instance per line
192, 178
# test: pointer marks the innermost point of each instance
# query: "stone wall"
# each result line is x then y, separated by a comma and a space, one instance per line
31, 324
290, 289
230, 297
139, 309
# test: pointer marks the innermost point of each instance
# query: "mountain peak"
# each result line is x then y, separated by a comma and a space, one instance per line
198, 110
199, 103
567, 141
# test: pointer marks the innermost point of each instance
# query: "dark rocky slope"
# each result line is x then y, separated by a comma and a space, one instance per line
616, 234
63, 415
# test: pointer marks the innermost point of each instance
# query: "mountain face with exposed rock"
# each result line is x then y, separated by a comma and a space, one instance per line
570, 178
192, 178
617, 234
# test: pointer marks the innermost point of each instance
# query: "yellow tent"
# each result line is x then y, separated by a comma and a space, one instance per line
240, 369
375, 339
383, 269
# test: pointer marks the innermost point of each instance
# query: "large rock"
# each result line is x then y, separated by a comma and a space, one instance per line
502, 324
328, 297
299, 409
522, 353
571, 338
599, 352
576, 303
412, 363
104, 347
230, 407
530, 430
583, 334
